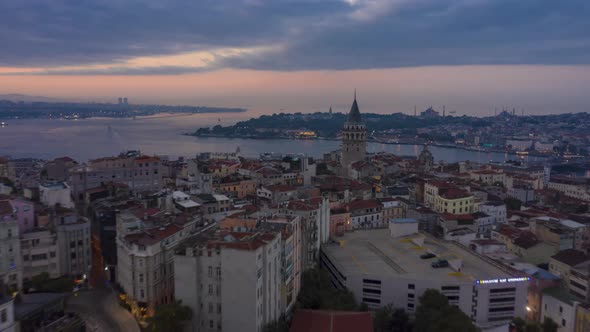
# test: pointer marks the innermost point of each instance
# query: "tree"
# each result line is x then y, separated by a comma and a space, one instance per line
168, 317
389, 319
549, 325
317, 292
280, 325
434, 313
512, 203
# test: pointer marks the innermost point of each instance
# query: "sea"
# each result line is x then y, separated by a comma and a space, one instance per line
84, 139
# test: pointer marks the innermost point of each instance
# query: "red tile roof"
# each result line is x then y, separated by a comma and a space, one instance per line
571, 257
331, 321
152, 235
363, 204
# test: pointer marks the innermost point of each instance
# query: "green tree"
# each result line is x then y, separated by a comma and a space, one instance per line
519, 324
434, 313
389, 319
280, 325
512, 203
169, 317
549, 325
317, 292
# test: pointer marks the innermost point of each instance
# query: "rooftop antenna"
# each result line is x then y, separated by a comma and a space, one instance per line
495, 111
444, 112
354, 93
415, 110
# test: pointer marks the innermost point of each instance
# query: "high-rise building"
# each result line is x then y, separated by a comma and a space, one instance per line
125, 101
354, 138
230, 280
120, 101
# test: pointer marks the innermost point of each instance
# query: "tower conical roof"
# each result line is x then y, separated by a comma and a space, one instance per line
355, 114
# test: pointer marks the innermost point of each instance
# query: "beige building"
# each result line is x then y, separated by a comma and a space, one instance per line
145, 252
39, 253
230, 280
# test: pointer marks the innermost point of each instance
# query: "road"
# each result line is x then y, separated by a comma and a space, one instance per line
101, 311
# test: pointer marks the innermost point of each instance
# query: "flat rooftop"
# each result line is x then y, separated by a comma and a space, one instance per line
375, 252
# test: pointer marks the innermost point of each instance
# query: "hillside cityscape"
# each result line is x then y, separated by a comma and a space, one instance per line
295, 166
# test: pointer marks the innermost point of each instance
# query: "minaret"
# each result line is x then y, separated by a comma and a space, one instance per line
444, 111
354, 137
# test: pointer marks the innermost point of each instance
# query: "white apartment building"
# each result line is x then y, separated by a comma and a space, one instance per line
231, 280
571, 188
51, 194
39, 249
496, 210
7, 323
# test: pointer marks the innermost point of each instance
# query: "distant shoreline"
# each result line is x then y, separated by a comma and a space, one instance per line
440, 145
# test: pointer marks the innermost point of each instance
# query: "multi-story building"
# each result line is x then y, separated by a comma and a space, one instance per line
496, 210
10, 253
571, 187
236, 186
56, 193
454, 201
392, 272
141, 173
145, 250
392, 208
315, 221
7, 323
39, 250
73, 240
366, 214
231, 281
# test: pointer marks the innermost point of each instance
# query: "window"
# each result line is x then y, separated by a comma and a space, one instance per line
141, 277
411, 286
218, 308
210, 271
411, 296
3, 316
210, 289
141, 293
210, 324
210, 307
563, 322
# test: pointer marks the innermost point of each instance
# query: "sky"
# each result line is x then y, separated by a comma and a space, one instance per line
284, 55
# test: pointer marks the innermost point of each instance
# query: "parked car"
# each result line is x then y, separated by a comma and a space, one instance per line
440, 263
427, 255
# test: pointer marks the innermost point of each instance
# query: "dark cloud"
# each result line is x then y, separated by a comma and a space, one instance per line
317, 34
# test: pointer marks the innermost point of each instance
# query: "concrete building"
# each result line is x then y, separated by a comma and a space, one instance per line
560, 307
366, 214
39, 250
230, 280
145, 252
54, 193
386, 270
575, 188
354, 138
59, 168
10, 253
7, 323
454, 201
496, 210
139, 172
73, 240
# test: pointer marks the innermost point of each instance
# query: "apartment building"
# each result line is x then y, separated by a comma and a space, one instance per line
575, 188
10, 253
230, 280
145, 251
73, 241
141, 173
39, 250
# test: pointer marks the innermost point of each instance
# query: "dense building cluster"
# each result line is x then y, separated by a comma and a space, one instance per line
231, 237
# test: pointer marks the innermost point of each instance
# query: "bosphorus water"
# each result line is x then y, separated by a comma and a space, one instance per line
98, 137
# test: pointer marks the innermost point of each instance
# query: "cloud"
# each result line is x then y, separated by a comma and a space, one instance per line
150, 37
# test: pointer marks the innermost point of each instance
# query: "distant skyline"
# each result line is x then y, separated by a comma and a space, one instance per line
304, 55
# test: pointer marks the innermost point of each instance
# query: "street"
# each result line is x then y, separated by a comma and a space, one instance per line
101, 311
